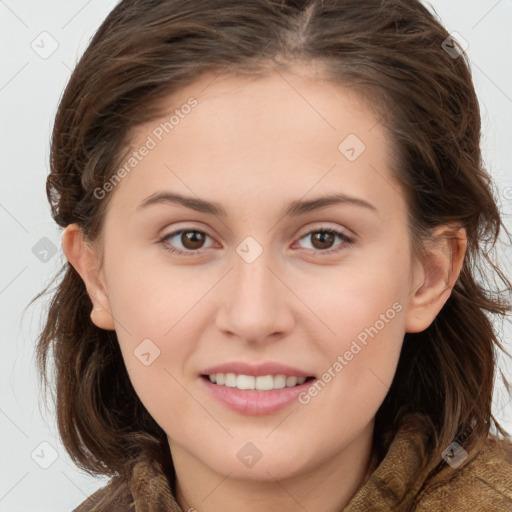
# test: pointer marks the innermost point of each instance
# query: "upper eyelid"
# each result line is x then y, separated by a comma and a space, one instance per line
322, 227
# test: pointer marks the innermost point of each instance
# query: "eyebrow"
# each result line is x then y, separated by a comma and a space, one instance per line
295, 208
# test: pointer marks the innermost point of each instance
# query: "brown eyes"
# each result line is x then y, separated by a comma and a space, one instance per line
192, 240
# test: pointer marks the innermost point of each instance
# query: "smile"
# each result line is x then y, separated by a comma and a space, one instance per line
260, 383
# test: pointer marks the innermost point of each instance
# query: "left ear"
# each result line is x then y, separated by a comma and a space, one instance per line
434, 279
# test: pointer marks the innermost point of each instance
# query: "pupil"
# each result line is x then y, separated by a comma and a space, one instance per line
321, 237
192, 239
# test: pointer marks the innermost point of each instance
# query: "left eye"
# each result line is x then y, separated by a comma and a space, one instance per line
193, 239
324, 237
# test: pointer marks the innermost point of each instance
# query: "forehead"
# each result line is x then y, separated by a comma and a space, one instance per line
300, 100
284, 132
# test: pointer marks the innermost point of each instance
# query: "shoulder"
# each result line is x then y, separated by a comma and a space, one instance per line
484, 484
144, 484
113, 496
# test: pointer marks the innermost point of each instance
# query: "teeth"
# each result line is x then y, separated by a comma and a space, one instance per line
261, 383
280, 381
265, 382
230, 381
245, 382
291, 381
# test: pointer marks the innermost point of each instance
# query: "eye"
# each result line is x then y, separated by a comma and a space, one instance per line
192, 240
323, 239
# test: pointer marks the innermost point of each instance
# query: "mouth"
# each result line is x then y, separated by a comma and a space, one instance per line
256, 389
256, 383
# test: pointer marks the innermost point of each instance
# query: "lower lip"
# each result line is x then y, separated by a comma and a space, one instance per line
256, 403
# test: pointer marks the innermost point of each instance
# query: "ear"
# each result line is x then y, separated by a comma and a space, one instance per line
86, 261
434, 279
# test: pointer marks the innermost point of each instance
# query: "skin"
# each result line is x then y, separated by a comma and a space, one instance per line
254, 145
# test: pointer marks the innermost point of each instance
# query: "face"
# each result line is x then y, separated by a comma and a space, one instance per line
269, 279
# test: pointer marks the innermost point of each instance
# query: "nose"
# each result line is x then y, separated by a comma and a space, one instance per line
257, 305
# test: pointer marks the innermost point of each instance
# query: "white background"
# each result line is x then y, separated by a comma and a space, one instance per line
30, 88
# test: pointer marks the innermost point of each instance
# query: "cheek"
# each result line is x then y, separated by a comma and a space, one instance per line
361, 366
149, 300
155, 310
365, 311
364, 295
155, 364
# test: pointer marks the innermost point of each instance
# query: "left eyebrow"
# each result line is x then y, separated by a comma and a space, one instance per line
301, 207
295, 208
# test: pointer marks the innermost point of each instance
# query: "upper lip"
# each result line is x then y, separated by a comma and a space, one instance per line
256, 370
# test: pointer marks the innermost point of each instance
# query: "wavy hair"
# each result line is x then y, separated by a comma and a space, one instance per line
393, 52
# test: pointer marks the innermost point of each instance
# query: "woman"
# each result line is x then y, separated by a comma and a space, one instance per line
321, 342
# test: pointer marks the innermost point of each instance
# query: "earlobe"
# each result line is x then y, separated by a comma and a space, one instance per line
434, 279
85, 260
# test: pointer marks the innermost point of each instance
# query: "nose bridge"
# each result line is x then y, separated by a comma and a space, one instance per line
256, 304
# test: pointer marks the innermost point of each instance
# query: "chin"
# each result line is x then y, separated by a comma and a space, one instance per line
245, 461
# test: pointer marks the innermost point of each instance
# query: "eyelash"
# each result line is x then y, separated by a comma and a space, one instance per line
347, 241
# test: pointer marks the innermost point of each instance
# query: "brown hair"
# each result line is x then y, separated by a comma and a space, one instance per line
392, 50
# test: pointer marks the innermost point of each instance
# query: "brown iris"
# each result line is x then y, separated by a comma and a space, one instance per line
192, 239
325, 239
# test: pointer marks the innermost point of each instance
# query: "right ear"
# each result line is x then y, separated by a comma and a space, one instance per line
85, 260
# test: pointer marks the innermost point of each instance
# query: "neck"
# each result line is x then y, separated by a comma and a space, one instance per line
327, 486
